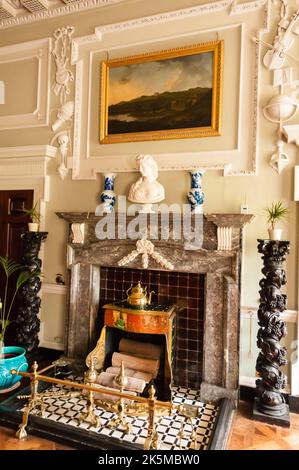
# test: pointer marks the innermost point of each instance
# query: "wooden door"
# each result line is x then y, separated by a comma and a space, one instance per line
13, 222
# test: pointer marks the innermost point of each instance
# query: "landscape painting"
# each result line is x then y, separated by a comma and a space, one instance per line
166, 95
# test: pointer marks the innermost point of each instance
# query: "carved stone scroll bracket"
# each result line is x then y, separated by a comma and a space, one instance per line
146, 249
224, 238
78, 233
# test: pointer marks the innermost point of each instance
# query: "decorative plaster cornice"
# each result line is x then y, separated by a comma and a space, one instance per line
60, 11
203, 9
83, 5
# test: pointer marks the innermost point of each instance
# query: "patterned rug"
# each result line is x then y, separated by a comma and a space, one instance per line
67, 411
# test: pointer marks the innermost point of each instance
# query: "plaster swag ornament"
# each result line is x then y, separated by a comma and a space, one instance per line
146, 190
146, 249
61, 52
64, 115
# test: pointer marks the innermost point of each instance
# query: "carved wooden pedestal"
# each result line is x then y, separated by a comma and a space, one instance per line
269, 403
28, 323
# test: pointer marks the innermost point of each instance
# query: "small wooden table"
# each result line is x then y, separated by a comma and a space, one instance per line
153, 320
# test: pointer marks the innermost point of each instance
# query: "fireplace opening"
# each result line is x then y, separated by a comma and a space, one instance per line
186, 291
114, 339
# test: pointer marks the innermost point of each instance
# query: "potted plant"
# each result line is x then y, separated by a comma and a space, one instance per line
276, 212
11, 357
34, 215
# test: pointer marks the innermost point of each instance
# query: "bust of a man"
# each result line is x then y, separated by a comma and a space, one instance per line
147, 190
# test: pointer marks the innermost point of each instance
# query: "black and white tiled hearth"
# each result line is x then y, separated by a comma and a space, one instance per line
67, 411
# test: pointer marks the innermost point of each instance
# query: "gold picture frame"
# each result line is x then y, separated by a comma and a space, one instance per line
171, 94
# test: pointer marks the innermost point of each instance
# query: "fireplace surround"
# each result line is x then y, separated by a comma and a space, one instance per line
218, 262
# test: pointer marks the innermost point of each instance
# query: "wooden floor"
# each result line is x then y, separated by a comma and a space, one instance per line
8, 441
246, 434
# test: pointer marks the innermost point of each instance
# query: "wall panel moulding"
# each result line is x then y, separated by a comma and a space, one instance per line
29, 62
235, 150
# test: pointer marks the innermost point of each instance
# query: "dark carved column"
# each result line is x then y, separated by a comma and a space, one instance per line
28, 323
270, 404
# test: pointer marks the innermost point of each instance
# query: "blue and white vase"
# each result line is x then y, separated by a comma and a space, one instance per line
108, 196
196, 196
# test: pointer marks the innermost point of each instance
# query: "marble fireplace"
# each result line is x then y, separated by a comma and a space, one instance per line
204, 284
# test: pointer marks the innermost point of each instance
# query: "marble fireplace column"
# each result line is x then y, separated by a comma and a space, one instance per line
270, 405
27, 321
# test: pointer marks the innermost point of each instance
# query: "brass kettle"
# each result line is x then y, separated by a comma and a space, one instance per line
137, 296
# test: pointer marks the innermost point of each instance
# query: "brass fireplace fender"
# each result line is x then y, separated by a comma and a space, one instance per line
150, 407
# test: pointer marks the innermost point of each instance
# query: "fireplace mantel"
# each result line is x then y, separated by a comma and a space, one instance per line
219, 260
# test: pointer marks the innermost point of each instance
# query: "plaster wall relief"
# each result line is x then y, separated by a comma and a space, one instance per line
282, 107
62, 89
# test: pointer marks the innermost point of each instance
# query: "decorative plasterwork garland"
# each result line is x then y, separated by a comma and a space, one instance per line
64, 76
146, 249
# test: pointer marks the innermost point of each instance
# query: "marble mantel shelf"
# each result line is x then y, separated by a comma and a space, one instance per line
215, 236
220, 220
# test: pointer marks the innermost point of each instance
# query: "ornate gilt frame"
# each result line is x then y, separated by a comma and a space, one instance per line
216, 47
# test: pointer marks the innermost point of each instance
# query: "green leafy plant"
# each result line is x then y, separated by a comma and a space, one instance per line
275, 213
33, 213
9, 267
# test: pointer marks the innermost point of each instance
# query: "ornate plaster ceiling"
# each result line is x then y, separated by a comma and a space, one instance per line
17, 12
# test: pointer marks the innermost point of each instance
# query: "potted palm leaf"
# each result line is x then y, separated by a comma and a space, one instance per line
35, 216
11, 357
275, 213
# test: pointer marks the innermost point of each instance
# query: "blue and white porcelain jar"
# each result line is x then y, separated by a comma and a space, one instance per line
196, 196
108, 196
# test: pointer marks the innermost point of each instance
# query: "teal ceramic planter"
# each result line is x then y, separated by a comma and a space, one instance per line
14, 358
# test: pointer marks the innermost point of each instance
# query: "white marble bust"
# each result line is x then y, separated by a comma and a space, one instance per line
147, 190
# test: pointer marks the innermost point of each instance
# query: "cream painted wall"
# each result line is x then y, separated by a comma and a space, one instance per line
223, 194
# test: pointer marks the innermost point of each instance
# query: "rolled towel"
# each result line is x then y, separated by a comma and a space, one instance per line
138, 348
131, 373
108, 380
103, 396
137, 363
